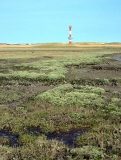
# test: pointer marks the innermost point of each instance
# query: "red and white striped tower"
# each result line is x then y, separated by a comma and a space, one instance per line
70, 34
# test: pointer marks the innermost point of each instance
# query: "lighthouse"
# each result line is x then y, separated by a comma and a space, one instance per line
70, 34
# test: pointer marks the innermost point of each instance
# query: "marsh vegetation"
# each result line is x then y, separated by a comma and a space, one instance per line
60, 102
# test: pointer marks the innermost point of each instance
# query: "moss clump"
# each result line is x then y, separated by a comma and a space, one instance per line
87, 152
66, 95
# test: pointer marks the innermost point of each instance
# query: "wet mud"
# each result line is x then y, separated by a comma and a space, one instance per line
8, 138
67, 138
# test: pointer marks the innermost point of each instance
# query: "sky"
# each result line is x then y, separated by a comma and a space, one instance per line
36, 21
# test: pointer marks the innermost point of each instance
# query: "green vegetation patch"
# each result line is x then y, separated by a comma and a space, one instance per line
87, 152
48, 69
66, 95
51, 69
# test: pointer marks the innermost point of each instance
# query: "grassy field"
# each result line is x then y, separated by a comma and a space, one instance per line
50, 92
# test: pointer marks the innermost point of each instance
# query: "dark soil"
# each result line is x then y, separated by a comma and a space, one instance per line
13, 139
66, 137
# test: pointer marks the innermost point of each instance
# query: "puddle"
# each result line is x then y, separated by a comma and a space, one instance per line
66, 137
8, 135
118, 58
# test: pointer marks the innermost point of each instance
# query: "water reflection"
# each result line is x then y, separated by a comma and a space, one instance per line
13, 138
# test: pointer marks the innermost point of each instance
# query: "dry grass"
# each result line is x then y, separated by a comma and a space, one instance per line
56, 45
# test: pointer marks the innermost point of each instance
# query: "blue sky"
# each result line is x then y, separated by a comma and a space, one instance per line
36, 21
